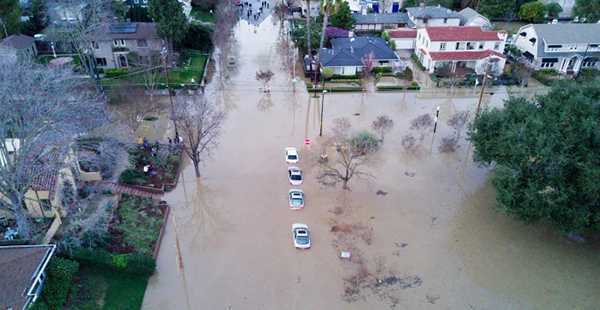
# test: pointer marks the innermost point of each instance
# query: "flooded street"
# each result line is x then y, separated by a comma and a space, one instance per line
434, 236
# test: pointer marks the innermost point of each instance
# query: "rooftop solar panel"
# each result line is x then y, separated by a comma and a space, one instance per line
123, 28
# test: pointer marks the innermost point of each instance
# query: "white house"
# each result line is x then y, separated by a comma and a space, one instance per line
567, 48
469, 47
403, 38
432, 16
470, 18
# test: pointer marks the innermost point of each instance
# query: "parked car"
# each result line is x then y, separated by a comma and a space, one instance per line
294, 175
301, 236
296, 198
291, 155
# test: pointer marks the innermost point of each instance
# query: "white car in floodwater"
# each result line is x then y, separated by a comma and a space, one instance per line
301, 236
291, 155
296, 198
294, 175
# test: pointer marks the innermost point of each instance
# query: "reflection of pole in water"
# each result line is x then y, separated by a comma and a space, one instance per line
462, 172
177, 241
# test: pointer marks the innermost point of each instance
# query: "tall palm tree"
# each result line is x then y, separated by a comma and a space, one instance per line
326, 6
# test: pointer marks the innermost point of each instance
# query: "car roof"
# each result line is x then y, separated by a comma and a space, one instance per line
294, 168
295, 191
291, 149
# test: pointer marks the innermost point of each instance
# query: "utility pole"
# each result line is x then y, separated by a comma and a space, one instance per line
482, 87
169, 88
321, 121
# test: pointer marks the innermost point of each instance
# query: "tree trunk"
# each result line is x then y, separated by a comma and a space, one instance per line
344, 183
22, 224
318, 60
308, 46
196, 166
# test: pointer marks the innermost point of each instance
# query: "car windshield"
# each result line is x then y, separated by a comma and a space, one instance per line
296, 177
302, 240
293, 157
296, 201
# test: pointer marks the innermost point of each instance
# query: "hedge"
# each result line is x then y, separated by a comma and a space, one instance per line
132, 176
341, 76
382, 69
334, 89
434, 77
56, 287
543, 77
416, 59
111, 73
386, 88
344, 80
132, 263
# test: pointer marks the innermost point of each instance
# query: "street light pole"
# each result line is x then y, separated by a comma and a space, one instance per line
321, 121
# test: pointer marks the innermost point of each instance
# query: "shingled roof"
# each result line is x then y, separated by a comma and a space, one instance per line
347, 52
19, 41
139, 31
19, 267
432, 12
381, 18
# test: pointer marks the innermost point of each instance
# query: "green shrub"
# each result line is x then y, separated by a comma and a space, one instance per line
111, 73
544, 77
434, 77
414, 57
344, 80
132, 176
137, 264
548, 71
336, 89
56, 287
413, 86
382, 69
393, 87
365, 141
309, 85
341, 76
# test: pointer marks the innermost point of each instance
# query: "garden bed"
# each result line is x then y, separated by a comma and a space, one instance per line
167, 164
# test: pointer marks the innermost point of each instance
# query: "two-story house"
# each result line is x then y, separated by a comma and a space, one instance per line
124, 38
469, 47
432, 16
567, 48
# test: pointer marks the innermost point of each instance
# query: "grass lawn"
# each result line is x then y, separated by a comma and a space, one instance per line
101, 289
203, 16
511, 27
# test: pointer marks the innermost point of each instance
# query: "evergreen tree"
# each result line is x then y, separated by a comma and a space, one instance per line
546, 155
342, 18
588, 9
554, 9
10, 18
38, 20
533, 12
496, 8
171, 23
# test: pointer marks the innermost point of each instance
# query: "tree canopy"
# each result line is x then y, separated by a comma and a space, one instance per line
342, 18
589, 9
10, 18
38, 20
533, 11
554, 9
546, 155
496, 8
171, 23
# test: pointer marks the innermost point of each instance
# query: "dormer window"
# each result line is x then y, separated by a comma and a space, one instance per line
573, 47
425, 21
554, 48
445, 20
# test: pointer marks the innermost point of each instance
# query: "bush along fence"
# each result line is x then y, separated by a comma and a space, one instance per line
412, 86
416, 59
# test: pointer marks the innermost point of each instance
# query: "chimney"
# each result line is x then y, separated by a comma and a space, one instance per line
554, 21
350, 34
422, 5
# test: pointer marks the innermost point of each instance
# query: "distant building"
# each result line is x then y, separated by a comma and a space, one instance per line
567, 48
470, 18
22, 274
377, 21
187, 5
432, 16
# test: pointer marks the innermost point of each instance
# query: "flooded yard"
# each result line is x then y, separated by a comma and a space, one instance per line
424, 235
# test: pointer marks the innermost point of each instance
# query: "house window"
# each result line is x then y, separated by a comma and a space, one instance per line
425, 21
573, 47
445, 20
470, 46
496, 46
554, 48
142, 43
589, 62
101, 62
119, 42
419, 37
457, 45
594, 47
96, 45
547, 65
137, 1
427, 43
442, 46
46, 204
481, 45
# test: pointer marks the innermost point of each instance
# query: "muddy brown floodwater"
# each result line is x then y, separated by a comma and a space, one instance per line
422, 232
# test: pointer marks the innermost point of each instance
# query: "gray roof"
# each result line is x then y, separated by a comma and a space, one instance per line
381, 18
467, 14
566, 34
142, 31
347, 52
19, 41
432, 12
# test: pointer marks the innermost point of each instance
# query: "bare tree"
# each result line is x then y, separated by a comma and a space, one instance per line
421, 124
282, 9
341, 128
510, 16
350, 160
408, 142
264, 77
200, 122
383, 124
448, 144
42, 109
223, 38
458, 122
132, 106
81, 24
368, 62
522, 73
152, 67
385, 6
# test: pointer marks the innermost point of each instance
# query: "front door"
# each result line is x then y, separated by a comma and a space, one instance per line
123, 61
